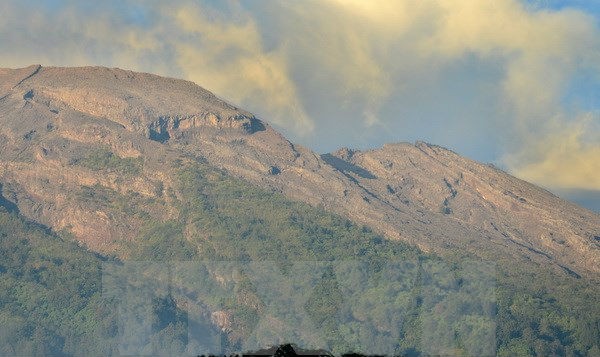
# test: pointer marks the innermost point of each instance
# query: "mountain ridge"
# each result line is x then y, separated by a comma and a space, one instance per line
58, 124
165, 187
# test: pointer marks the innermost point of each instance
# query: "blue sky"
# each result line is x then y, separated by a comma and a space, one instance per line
588, 6
510, 82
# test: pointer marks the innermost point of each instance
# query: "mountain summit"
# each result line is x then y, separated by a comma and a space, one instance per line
64, 130
144, 215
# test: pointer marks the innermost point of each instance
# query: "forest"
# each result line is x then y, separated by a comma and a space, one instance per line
264, 262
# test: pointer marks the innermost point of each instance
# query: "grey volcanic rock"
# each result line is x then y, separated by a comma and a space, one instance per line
423, 194
497, 209
10, 78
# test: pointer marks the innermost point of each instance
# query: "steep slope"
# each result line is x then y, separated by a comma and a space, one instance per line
65, 129
139, 166
504, 211
50, 292
51, 303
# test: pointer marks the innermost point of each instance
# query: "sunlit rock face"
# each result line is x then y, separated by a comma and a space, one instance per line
58, 124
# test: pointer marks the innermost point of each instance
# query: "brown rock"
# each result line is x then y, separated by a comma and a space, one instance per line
423, 194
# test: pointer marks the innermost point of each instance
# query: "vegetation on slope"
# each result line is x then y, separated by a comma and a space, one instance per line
105, 160
52, 302
49, 295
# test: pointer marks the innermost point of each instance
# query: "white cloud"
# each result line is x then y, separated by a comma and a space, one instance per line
229, 58
567, 157
341, 70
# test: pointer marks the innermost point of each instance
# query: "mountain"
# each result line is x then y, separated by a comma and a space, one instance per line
138, 166
54, 121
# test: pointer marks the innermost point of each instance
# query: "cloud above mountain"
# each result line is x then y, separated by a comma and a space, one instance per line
505, 81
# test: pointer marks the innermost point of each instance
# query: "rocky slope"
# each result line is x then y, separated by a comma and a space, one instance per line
59, 124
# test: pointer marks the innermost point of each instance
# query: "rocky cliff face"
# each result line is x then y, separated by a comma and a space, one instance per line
56, 121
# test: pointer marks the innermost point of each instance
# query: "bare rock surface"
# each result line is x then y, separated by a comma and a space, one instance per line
423, 194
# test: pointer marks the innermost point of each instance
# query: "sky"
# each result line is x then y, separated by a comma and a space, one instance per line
515, 83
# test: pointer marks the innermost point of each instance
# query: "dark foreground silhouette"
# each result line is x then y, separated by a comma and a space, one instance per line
288, 350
